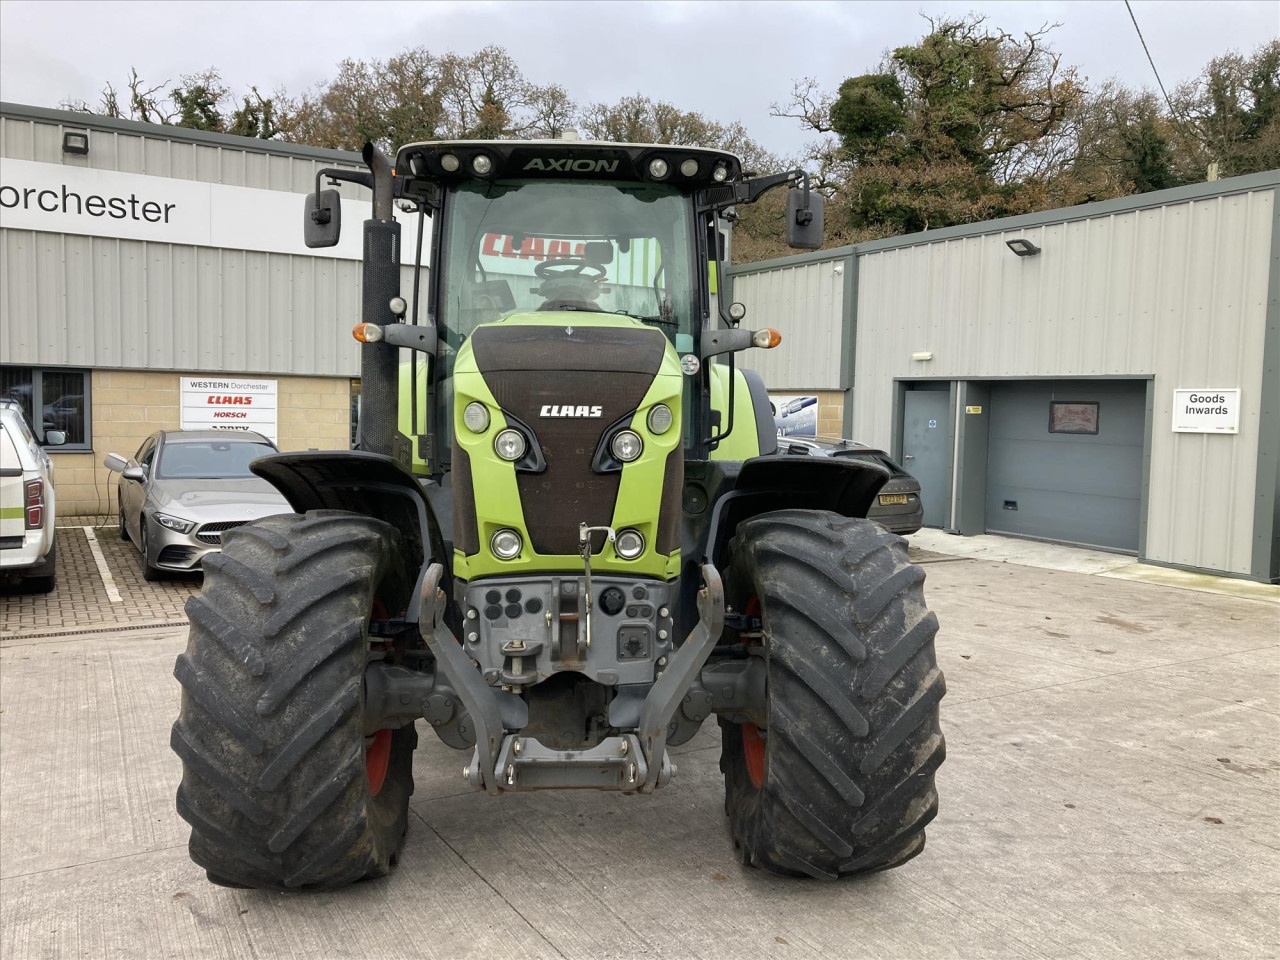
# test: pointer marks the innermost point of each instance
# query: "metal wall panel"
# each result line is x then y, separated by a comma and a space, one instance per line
1177, 292
101, 302
105, 302
806, 303
269, 168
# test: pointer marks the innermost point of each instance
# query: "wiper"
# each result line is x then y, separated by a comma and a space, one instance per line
664, 321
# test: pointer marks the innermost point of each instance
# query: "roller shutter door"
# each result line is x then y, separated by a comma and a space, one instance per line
1050, 477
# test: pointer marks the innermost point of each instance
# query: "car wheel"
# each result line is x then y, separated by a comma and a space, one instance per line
124, 531
149, 573
48, 578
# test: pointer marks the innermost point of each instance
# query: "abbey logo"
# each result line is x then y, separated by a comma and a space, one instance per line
554, 410
568, 165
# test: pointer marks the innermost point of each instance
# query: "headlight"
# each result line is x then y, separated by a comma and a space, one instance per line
509, 444
658, 168
626, 446
449, 162
660, 419
506, 544
476, 417
689, 168
176, 524
481, 164
629, 545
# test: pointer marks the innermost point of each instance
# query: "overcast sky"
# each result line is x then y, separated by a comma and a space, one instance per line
728, 60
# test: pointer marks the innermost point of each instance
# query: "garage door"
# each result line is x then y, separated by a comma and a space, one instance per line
1065, 461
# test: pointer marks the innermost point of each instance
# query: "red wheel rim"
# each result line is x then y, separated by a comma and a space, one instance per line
753, 753
377, 758
752, 742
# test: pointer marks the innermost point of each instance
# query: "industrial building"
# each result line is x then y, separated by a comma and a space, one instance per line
1105, 375
155, 277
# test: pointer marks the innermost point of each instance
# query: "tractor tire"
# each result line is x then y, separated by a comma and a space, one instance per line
280, 786
841, 781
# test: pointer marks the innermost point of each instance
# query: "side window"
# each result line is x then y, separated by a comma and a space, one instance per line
51, 399
146, 453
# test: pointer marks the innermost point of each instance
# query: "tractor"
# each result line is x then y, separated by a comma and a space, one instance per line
564, 539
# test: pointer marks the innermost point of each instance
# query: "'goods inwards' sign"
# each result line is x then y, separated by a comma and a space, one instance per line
1213, 410
222, 403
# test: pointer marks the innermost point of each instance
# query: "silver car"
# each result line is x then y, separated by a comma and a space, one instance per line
184, 488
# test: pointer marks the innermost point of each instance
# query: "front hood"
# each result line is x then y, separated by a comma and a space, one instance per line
206, 501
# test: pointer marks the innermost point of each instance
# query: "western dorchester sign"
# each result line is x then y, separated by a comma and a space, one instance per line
226, 403
1208, 410
61, 198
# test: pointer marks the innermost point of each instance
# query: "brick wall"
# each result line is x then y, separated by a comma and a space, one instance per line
127, 405
830, 413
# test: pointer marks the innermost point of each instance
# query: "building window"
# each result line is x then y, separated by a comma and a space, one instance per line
52, 399
1067, 417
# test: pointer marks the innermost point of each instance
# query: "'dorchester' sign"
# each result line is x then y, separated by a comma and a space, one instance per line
225, 403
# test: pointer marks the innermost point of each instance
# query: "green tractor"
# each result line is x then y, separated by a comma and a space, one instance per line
567, 538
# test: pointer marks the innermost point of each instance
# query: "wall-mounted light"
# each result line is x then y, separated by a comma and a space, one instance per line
75, 141
1022, 247
922, 355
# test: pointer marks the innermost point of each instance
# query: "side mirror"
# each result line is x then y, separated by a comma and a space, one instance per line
54, 438
804, 223
322, 219
133, 473
114, 462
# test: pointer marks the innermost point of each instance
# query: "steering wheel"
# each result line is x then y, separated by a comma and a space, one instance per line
570, 268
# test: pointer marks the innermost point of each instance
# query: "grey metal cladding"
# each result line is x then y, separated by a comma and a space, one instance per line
119, 303
806, 304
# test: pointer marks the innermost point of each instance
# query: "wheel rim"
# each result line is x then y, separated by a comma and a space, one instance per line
753, 753
377, 758
752, 742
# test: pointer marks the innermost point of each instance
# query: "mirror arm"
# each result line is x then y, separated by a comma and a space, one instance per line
804, 216
749, 191
335, 174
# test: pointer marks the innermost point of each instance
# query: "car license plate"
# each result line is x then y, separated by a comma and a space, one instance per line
888, 498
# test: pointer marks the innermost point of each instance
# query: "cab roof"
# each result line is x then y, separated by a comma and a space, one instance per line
687, 168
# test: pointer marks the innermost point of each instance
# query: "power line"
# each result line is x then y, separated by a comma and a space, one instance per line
1142, 40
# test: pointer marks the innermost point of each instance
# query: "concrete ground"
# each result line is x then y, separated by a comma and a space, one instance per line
1112, 788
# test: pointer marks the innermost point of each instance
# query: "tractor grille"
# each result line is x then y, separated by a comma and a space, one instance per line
211, 533
528, 368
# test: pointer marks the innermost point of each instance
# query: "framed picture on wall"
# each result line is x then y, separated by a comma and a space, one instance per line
1073, 417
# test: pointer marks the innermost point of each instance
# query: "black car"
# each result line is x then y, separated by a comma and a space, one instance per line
898, 505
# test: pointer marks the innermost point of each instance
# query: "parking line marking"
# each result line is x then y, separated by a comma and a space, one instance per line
108, 583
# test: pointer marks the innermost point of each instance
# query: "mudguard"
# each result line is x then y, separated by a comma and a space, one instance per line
764, 484
365, 483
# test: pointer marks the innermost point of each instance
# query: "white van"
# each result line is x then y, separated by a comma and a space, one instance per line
28, 551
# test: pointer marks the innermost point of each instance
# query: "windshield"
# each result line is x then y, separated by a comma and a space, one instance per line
214, 460
526, 246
